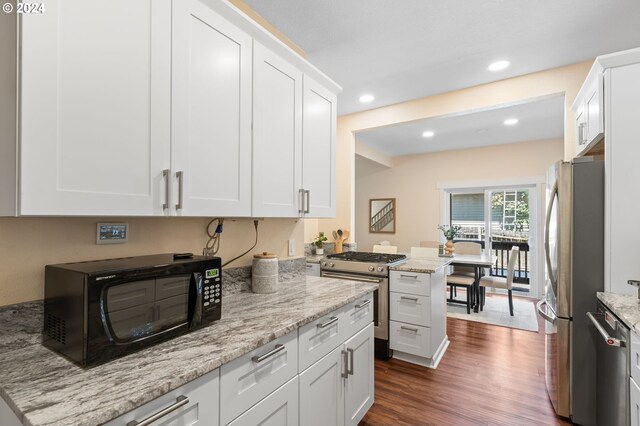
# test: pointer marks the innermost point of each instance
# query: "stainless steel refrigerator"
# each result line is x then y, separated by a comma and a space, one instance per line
574, 252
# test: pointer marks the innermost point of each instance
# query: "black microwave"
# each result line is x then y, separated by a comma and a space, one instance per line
100, 310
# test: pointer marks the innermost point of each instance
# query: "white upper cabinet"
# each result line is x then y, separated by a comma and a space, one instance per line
211, 113
318, 150
146, 108
95, 108
277, 135
589, 111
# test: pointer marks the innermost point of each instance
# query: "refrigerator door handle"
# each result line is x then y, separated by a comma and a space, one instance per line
542, 313
554, 192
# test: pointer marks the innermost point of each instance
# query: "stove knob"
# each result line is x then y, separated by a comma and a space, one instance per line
324, 263
332, 264
371, 268
380, 269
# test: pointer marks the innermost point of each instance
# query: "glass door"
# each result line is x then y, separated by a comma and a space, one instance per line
509, 225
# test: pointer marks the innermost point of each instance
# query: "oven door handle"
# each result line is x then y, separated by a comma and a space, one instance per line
353, 278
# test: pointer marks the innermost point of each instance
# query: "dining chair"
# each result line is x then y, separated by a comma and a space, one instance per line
377, 248
502, 282
423, 252
463, 276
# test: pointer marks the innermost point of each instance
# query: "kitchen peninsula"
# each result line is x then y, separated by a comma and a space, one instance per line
39, 387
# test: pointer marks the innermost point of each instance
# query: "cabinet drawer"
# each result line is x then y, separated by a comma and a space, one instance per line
635, 357
280, 408
313, 269
410, 282
201, 407
248, 379
409, 338
320, 337
357, 315
410, 308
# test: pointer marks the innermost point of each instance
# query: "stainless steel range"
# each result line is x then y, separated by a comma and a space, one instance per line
367, 267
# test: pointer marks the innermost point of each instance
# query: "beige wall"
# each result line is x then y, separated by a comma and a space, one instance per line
564, 80
413, 183
28, 244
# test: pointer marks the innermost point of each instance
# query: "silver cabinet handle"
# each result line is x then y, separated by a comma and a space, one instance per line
554, 192
258, 359
328, 322
308, 197
581, 133
301, 201
415, 330
179, 175
413, 299
363, 304
345, 370
350, 368
415, 277
542, 313
165, 176
611, 341
180, 401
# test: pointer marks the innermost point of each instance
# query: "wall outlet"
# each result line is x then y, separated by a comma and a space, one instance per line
292, 247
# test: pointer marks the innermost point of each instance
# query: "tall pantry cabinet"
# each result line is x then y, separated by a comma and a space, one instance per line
609, 103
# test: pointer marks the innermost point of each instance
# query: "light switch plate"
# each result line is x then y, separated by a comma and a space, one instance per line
292, 247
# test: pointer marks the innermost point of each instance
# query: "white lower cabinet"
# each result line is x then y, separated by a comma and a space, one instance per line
313, 269
322, 391
417, 311
248, 379
359, 384
634, 403
196, 403
338, 389
278, 409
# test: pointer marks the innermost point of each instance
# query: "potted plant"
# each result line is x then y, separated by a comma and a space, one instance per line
318, 242
449, 233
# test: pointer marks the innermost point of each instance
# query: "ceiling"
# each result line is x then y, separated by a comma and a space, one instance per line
537, 120
401, 50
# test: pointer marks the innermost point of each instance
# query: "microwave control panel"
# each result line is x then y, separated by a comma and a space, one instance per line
212, 289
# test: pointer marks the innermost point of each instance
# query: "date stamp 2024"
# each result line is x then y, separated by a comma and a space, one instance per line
24, 8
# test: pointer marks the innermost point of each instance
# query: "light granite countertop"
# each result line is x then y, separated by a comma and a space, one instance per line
315, 258
43, 388
423, 265
625, 307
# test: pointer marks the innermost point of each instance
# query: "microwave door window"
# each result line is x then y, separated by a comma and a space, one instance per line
141, 309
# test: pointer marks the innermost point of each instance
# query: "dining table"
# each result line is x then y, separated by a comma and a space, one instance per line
478, 262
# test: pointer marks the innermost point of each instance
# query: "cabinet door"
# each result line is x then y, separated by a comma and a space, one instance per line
278, 409
313, 269
211, 113
359, 385
322, 391
95, 109
277, 135
621, 179
197, 404
318, 150
594, 110
634, 396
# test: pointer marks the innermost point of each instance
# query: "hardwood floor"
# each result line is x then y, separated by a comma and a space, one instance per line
489, 375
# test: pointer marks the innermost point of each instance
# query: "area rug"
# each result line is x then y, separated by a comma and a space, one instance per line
496, 312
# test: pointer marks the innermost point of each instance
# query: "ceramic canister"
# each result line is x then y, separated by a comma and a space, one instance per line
264, 273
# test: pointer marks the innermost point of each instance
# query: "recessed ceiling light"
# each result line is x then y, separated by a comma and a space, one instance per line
428, 134
499, 65
365, 99
510, 121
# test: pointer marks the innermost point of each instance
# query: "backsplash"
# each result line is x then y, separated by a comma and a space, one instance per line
239, 279
329, 248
